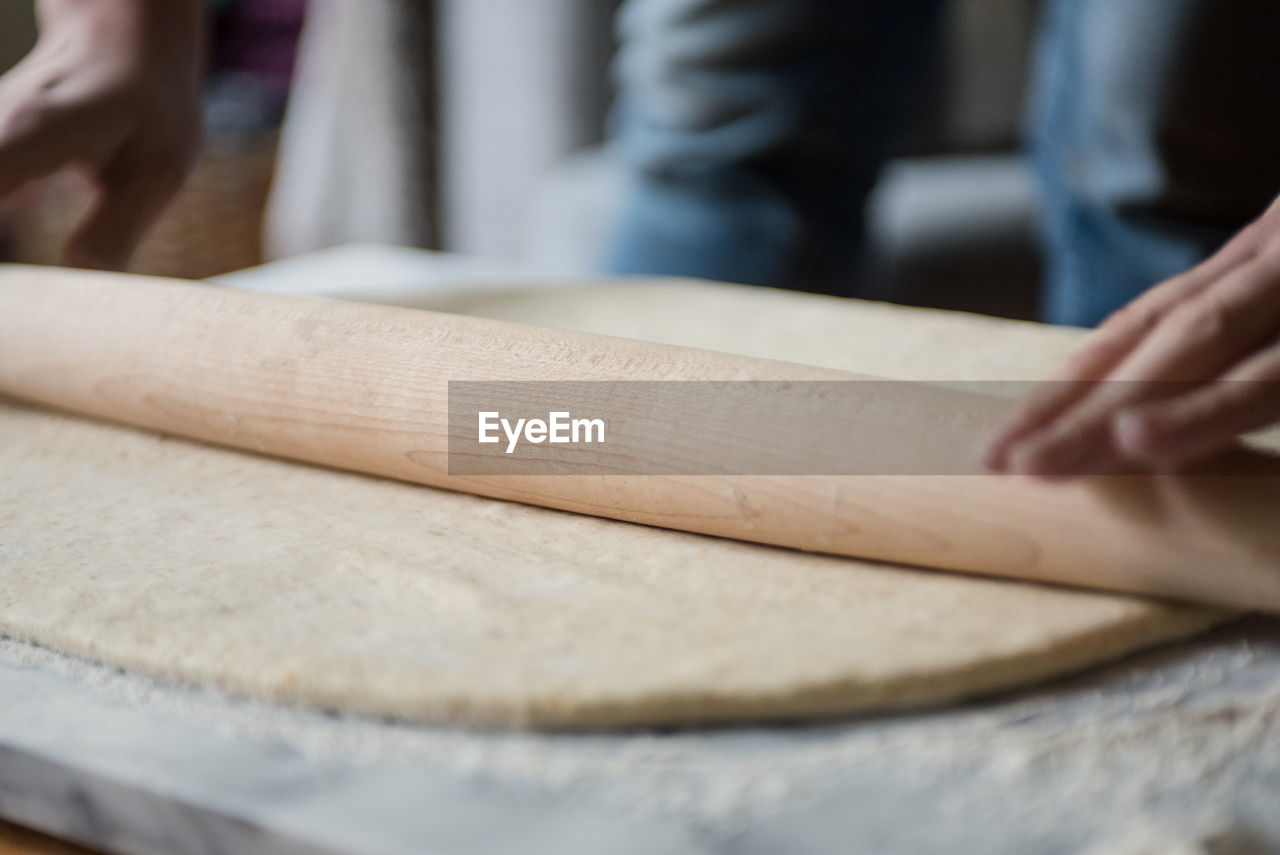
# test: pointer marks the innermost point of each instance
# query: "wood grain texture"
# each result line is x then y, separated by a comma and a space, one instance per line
364, 387
16, 840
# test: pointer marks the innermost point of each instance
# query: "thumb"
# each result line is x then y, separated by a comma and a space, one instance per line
131, 196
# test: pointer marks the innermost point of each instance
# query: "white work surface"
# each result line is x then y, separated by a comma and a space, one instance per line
1173, 751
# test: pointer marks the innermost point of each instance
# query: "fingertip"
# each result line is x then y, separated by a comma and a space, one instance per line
1167, 437
994, 453
1138, 434
1057, 458
1023, 423
992, 459
74, 255
80, 254
1033, 460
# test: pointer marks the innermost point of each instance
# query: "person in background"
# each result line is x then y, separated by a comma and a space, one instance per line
754, 130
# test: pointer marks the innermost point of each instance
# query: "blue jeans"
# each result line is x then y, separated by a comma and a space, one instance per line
1155, 132
753, 131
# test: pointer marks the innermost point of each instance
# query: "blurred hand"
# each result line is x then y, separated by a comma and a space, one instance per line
111, 87
1214, 331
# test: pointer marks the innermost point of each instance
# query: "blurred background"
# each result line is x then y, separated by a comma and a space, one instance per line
477, 126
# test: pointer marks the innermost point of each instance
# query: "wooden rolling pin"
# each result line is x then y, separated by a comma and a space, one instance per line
365, 388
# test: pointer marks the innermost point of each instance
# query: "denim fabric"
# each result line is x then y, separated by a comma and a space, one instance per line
753, 131
1155, 131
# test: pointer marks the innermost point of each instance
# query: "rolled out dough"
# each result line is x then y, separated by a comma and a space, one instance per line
324, 588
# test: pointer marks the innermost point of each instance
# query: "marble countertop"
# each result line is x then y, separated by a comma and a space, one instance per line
1182, 742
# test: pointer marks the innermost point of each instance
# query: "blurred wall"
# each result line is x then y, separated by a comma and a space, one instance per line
984, 72
522, 84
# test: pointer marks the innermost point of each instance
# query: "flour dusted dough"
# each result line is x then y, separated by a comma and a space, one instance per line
325, 588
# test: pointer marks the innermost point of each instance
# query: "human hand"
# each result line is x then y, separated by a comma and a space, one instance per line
1188, 367
112, 87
